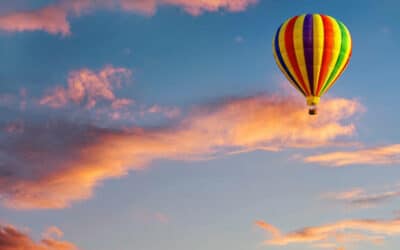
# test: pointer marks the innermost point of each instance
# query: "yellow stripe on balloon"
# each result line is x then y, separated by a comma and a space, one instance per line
281, 67
285, 57
298, 42
318, 42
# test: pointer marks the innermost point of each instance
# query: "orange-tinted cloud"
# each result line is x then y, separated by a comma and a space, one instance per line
385, 155
334, 235
13, 239
87, 87
53, 164
51, 19
54, 18
275, 232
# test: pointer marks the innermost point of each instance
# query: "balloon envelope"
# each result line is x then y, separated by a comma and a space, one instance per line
312, 51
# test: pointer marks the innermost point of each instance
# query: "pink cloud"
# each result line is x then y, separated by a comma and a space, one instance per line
13, 239
51, 19
197, 7
15, 127
161, 217
78, 157
86, 87
57, 98
147, 7
54, 18
169, 112
98, 91
120, 103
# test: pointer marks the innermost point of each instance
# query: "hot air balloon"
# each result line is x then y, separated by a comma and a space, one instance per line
312, 51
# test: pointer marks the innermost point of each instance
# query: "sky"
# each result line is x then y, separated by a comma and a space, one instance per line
166, 124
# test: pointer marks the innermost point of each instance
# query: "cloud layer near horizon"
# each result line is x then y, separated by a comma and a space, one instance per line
384, 155
12, 238
54, 163
360, 198
334, 235
54, 18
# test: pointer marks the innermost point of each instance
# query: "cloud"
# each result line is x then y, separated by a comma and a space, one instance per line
7, 100
334, 235
14, 127
161, 218
13, 239
55, 163
87, 88
90, 95
53, 231
346, 195
169, 112
385, 155
360, 198
195, 7
149, 7
51, 19
54, 18
152, 217
275, 232
13, 100
121, 103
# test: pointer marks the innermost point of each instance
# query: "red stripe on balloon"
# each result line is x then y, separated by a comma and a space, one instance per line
289, 44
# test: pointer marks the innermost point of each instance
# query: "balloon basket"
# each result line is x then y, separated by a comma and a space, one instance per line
313, 110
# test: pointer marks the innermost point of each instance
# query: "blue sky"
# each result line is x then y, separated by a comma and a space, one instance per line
187, 133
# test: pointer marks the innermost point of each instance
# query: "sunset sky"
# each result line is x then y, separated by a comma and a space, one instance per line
166, 125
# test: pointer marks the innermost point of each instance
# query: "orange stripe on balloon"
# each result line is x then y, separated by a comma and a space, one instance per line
289, 44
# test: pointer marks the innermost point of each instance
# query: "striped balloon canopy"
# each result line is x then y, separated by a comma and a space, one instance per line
312, 51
